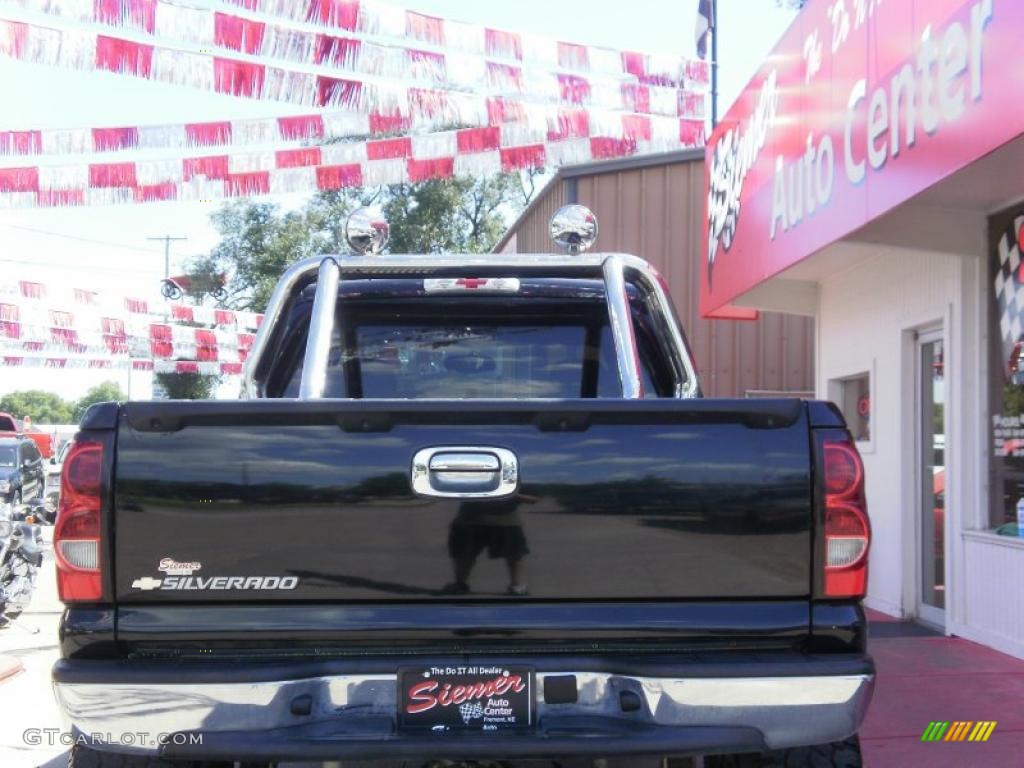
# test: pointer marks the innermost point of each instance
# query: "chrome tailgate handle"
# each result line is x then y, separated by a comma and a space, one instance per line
465, 472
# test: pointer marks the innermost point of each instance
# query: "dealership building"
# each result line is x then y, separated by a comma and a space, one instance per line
870, 176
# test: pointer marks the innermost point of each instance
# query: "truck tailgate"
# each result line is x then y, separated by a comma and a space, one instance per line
312, 500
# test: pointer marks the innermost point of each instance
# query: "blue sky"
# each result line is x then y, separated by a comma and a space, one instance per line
108, 246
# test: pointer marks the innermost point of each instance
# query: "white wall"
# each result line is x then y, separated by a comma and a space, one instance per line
866, 317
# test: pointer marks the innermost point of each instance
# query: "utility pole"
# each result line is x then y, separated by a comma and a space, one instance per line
167, 251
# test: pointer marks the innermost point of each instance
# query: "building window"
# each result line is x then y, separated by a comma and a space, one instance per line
1006, 372
853, 396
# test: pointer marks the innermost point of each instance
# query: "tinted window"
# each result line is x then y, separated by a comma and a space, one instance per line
8, 456
466, 361
473, 356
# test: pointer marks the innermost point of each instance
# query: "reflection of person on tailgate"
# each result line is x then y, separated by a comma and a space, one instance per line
496, 527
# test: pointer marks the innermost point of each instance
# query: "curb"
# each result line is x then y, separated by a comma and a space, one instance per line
9, 667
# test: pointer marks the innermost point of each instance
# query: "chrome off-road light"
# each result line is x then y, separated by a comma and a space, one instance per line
367, 231
574, 228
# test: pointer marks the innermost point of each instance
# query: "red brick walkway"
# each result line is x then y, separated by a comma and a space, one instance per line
925, 678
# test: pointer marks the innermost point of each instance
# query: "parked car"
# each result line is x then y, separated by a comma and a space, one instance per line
11, 427
53, 470
22, 474
470, 509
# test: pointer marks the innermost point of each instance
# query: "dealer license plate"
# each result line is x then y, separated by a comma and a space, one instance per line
474, 697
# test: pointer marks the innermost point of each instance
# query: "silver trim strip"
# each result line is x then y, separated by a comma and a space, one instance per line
789, 711
321, 328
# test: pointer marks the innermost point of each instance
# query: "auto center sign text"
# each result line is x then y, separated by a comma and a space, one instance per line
863, 104
926, 91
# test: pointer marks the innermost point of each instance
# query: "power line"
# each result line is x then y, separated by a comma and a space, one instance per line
50, 233
65, 265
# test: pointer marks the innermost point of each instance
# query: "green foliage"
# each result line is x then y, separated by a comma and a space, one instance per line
107, 391
449, 215
258, 240
39, 406
188, 386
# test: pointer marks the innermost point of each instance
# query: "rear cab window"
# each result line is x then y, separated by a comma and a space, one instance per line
484, 347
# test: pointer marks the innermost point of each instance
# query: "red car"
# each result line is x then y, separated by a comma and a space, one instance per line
11, 427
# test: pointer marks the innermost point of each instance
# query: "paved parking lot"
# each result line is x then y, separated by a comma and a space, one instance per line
26, 701
922, 677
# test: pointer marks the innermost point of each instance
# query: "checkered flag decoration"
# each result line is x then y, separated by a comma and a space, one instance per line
471, 711
1010, 294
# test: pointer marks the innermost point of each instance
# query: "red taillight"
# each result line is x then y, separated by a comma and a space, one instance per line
847, 531
76, 538
843, 470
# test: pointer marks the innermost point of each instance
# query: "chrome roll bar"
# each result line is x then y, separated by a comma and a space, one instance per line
613, 269
321, 329
621, 320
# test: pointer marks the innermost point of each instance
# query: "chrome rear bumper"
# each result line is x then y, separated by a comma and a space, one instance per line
353, 716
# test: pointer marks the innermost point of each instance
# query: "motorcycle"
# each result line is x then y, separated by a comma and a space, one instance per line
38, 511
21, 555
173, 288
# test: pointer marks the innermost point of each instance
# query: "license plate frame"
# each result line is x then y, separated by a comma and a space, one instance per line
471, 697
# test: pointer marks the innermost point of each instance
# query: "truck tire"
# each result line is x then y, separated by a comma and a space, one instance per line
837, 754
83, 757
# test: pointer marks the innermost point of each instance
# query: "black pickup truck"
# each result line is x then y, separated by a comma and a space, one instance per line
472, 507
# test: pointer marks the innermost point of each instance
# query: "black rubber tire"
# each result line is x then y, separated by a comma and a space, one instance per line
83, 757
837, 754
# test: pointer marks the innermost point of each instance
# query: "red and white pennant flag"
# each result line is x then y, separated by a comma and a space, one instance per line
451, 100
471, 152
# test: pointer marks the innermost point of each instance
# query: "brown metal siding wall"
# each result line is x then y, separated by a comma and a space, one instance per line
657, 213
533, 237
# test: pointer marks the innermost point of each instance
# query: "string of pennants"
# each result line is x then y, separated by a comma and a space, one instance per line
522, 125
469, 152
106, 363
38, 324
372, 69
440, 101
372, 38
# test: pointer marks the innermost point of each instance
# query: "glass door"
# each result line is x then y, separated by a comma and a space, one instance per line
931, 511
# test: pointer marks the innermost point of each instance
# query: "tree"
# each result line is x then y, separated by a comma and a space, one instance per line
187, 386
258, 241
39, 406
105, 392
460, 215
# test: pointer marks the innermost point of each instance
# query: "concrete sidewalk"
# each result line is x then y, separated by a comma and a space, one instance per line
923, 676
